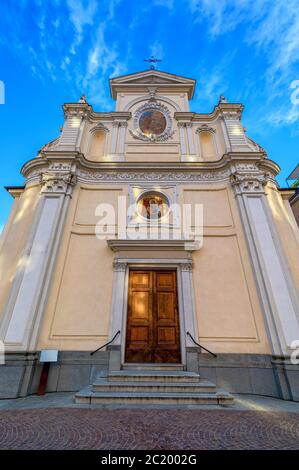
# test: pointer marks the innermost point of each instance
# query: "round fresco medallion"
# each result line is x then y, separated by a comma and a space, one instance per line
152, 122
152, 206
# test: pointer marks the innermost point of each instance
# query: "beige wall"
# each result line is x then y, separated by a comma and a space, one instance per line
228, 311
78, 310
97, 146
14, 239
227, 306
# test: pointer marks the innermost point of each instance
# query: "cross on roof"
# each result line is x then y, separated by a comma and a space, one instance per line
152, 61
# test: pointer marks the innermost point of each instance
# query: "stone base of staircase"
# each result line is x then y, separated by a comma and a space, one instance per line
153, 386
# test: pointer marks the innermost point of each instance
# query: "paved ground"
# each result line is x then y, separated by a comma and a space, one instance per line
55, 422
77, 428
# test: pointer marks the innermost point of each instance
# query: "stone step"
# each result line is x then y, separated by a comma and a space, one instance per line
153, 376
150, 366
154, 398
152, 386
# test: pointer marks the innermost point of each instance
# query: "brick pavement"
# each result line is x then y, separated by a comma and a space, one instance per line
164, 429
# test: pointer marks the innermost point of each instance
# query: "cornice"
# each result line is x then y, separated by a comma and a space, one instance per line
83, 108
151, 78
286, 193
95, 117
152, 244
253, 163
15, 191
218, 111
269, 165
79, 159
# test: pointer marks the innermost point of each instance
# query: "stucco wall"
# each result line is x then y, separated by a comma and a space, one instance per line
227, 306
77, 314
228, 312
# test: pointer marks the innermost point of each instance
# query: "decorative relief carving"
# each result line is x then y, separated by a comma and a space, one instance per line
119, 266
246, 167
99, 127
33, 176
235, 115
152, 176
188, 266
60, 166
152, 93
248, 183
152, 106
57, 183
205, 128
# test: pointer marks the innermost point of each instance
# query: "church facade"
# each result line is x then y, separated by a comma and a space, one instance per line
154, 229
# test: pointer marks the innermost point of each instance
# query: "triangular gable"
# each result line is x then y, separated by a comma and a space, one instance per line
152, 77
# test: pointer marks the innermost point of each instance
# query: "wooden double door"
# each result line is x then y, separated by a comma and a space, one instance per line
153, 334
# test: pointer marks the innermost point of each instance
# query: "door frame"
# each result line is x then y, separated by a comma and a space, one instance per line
185, 293
151, 268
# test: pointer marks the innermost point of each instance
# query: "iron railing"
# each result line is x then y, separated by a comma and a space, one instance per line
200, 346
107, 344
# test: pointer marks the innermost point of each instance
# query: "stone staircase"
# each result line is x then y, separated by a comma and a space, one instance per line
153, 386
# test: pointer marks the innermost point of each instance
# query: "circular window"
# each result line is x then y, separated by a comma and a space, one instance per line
152, 122
152, 206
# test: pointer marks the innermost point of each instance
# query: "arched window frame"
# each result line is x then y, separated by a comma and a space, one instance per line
93, 131
212, 132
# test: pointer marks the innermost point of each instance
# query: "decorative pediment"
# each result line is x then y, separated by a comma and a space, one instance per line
99, 127
150, 78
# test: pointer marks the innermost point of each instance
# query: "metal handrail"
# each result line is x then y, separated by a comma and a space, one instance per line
107, 344
199, 345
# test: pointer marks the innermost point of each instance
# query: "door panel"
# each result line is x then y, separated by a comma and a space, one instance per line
153, 323
165, 302
140, 305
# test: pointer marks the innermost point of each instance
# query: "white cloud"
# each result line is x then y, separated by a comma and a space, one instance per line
226, 15
68, 41
272, 28
266, 24
102, 62
81, 16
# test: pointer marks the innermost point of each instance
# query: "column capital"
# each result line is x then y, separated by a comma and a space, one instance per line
76, 109
58, 183
119, 266
187, 266
181, 124
249, 183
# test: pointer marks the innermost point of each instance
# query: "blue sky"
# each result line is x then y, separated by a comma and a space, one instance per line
52, 51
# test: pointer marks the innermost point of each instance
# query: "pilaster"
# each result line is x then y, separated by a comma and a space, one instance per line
25, 307
181, 127
188, 152
117, 150
188, 302
118, 298
275, 286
